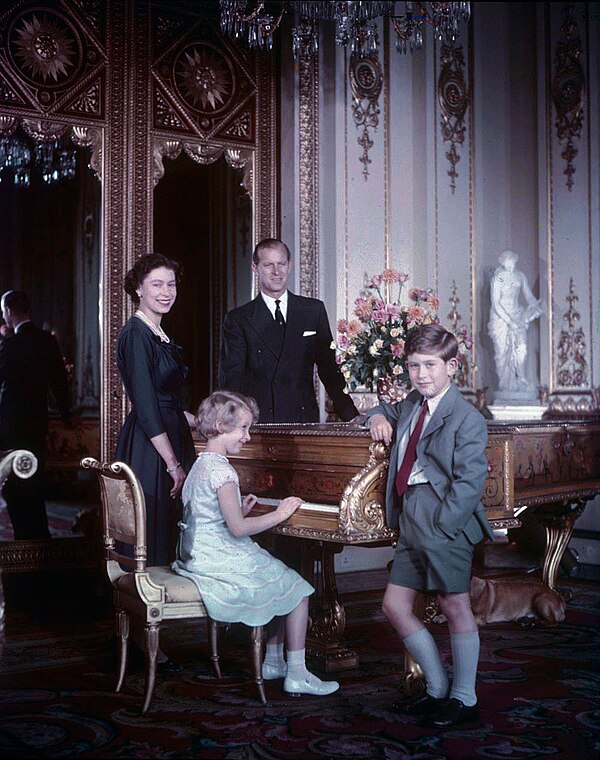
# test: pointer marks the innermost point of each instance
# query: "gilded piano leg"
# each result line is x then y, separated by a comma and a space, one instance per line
559, 529
327, 616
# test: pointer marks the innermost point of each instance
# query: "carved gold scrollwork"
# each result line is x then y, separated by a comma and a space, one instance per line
242, 159
366, 81
362, 503
90, 137
453, 97
308, 156
8, 125
203, 154
164, 148
572, 364
568, 87
43, 131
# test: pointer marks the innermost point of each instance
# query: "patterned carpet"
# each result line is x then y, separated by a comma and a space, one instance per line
538, 690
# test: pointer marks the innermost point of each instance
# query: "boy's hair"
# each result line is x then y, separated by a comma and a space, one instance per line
219, 412
431, 339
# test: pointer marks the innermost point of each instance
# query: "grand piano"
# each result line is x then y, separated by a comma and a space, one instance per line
550, 466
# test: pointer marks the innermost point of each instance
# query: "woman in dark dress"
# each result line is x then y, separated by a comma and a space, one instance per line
155, 440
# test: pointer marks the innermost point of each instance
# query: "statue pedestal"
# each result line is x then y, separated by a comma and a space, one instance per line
517, 411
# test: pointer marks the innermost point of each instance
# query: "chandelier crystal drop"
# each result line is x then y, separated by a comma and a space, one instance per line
258, 20
51, 159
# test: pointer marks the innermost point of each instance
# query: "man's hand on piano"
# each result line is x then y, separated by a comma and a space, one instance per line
248, 502
288, 506
380, 429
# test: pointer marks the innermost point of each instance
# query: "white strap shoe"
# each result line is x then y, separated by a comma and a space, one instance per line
271, 672
309, 685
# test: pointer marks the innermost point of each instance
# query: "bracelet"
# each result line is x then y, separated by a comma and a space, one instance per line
172, 469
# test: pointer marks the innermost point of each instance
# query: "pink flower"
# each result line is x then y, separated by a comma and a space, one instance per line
433, 301
380, 315
393, 311
353, 327
342, 325
398, 349
363, 308
376, 280
390, 276
343, 342
416, 314
379, 304
403, 277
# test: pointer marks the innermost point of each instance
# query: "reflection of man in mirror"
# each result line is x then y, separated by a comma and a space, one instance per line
509, 322
30, 365
272, 344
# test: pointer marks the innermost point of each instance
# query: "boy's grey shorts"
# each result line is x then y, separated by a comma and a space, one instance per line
426, 559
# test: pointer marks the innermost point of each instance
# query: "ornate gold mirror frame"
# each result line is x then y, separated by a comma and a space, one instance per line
130, 104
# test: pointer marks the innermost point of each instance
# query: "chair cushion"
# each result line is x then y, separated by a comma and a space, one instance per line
177, 588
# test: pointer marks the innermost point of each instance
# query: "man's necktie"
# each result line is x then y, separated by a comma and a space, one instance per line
278, 315
410, 454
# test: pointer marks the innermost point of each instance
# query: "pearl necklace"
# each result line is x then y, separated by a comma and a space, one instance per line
156, 330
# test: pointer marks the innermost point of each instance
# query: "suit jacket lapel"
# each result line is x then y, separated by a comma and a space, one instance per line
265, 327
445, 408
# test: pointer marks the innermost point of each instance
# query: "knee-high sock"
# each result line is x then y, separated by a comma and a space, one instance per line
465, 656
422, 647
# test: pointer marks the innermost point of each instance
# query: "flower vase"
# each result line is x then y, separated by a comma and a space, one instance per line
389, 390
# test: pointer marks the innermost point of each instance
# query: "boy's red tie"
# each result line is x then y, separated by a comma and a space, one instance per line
410, 454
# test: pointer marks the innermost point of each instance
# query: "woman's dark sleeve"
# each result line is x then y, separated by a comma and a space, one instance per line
137, 358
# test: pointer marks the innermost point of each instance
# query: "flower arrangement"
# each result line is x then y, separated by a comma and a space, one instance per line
370, 348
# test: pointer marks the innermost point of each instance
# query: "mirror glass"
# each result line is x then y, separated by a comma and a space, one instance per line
203, 218
50, 247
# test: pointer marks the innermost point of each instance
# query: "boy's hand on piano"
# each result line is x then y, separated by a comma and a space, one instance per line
248, 502
288, 506
380, 429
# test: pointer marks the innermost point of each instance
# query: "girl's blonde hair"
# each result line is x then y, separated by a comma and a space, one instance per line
219, 413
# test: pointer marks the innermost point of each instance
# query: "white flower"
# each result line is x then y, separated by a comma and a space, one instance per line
373, 350
397, 370
378, 343
352, 349
395, 332
332, 345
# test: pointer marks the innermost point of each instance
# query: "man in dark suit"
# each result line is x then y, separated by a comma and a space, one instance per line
30, 365
271, 345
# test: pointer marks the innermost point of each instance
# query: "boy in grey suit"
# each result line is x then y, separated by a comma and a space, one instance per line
436, 477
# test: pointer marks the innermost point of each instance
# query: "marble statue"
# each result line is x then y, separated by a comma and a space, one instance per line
508, 324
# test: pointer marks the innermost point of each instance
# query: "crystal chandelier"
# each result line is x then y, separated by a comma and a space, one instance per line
50, 158
258, 20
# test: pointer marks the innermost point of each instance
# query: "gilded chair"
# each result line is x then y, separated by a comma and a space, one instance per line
148, 594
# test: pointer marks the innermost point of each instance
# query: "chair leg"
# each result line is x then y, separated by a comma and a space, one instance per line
122, 625
256, 639
151, 639
213, 630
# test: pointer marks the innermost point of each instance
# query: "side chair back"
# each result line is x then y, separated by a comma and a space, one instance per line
149, 595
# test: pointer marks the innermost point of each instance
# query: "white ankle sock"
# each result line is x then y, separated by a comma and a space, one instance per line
422, 647
274, 655
296, 662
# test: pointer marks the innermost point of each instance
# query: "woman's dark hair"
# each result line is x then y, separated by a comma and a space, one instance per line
142, 268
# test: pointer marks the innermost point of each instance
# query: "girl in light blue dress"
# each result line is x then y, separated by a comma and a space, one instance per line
240, 581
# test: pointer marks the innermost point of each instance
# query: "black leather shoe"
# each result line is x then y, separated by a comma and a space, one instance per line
423, 705
451, 712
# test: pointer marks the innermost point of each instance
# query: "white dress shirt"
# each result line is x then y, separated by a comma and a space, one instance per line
271, 306
417, 476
